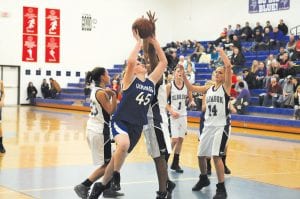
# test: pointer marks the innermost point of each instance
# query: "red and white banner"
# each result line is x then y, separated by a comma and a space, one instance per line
52, 22
30, 20
52, 49
29, 48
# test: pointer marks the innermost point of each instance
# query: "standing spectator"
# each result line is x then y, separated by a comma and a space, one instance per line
273, 93
269, 38
55, 88
283, 27
2, 95
297, 104
45, 89
31, 93
230, 32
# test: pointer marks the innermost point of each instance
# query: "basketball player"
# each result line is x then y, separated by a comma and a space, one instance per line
177, 92
158, 139
216, 127
2, 149
103, 104
138, 92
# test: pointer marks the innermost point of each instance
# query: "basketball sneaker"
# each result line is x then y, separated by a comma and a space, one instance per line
109, 193
203, 182
82, 191
98, 188
220, 192
176, 168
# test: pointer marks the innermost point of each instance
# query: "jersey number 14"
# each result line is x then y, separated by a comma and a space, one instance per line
212, 109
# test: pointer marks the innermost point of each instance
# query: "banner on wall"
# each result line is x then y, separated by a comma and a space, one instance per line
258, 6
30, 20
29, 53
52, 22
52, 49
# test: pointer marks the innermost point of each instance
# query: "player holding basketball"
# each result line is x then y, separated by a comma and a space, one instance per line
138, 92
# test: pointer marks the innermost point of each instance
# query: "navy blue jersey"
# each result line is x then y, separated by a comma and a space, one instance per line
135, 102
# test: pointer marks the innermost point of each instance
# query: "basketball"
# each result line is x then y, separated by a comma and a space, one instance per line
144, 26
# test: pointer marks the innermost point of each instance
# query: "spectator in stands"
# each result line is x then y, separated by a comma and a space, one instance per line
296, 54
279, 57
210, 47
260, 74
238, 30
287, 98
297, 104
237, 88
246, 32
269, 60
283, 27
237, 60
233, 92
269, 39
45, 89
190, 74
273, 93
214, 59
172, 59
249, 77
31, 93
258, 41
189, 61
290, 46
220, 39
199, 49
54, 88
230, 32
272, 71
278, 38
242, 100
269, 26
181, 60
236, 42
258, 27
284, 61
227, 43
295, 83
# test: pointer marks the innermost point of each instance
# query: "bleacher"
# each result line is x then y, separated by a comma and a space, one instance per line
258, 117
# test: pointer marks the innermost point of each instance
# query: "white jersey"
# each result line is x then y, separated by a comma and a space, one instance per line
98, 117
178, 99
217, 111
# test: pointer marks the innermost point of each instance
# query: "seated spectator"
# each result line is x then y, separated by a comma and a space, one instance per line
249, 77
199, 49
237, 60
258, 28
246, 32
31, 93
214, 59
273, 93
290, 46
236, 42
172, 60
230, 32
269, 26
260, 75
272, 71
296, 54
45, 89
278, 38
258, 39
190, 74
237, 88
269, 39
238, 30
210, 47
297, 104
287, 98
283, 27
54, 88
242, 100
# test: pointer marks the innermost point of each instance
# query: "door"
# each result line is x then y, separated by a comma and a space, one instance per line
11, 80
